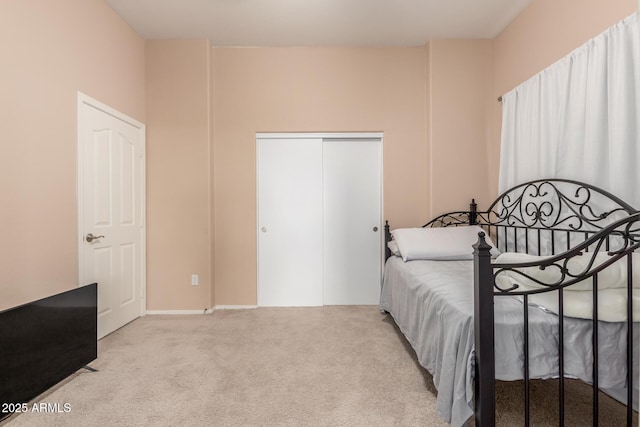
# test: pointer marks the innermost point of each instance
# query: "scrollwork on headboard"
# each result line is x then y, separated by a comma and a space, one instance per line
450, 219
454, 219
556, 204
544, 217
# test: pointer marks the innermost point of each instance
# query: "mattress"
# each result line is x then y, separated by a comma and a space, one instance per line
432, 304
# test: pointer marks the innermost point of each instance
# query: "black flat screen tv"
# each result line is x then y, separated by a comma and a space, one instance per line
45, 341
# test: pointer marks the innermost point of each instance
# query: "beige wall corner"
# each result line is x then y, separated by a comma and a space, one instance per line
50, 51
212, 218
309, 90
178, 174
543, 33
427, 130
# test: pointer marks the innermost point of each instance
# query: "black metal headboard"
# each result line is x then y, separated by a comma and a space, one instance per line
542, 217
547, 216
454, 219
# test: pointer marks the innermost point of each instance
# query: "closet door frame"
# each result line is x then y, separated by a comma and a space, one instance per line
325, 136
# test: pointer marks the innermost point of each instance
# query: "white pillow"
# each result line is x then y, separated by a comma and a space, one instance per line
439, 243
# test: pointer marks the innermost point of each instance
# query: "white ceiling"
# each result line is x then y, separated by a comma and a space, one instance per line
318, 22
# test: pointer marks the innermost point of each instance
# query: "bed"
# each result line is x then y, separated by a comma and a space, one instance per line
458, 287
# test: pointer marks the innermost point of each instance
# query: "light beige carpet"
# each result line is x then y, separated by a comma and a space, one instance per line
324, 366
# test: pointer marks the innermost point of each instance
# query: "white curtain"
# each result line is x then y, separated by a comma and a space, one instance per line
579, 118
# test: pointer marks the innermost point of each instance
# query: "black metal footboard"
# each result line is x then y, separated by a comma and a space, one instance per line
618, 240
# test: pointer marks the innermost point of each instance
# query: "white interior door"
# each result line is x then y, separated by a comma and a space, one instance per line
111, 208
289, 175
352, 221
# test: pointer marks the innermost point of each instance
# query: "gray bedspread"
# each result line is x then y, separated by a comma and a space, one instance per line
432, 304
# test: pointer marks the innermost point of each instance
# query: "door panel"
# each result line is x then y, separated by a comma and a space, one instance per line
289, 222
100, 262
99, 155
127, 273
111, 194
352, 222
128, 182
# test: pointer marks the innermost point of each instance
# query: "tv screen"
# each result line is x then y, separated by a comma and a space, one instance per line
44, 341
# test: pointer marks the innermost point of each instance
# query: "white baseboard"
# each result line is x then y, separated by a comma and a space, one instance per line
207, 311
234, 307
179, 312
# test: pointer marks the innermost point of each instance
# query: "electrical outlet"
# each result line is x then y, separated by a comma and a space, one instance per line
194, 279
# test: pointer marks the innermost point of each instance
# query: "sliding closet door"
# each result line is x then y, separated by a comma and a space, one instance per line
319, 219
352, 221
289, 222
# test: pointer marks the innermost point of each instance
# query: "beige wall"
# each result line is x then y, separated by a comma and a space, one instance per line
543, 33
430, 102
178, 171
460, 79
49, 50
310, 90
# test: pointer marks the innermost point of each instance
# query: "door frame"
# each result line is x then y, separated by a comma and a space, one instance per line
324, 136
83, 102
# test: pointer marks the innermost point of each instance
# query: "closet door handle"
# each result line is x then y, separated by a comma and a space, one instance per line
375, 229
